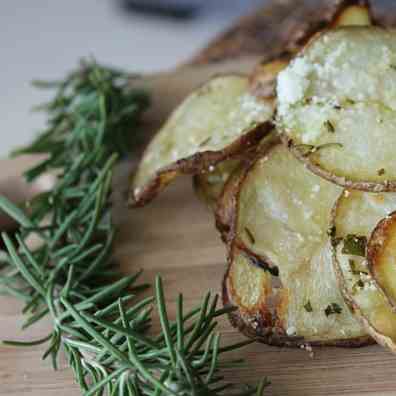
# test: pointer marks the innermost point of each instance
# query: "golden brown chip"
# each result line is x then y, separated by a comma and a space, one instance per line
216, 122
355, 216
336, 106
276, 218
263, 306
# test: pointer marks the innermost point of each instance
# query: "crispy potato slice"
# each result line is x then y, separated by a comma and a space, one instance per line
381, 257
280, 223
354, 217
278, 315
260, 299
216, 122
336, 107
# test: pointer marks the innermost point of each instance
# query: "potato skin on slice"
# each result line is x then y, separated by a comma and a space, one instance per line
354, 216
225, 212
260, 299
381, 257
216, 122
276, 219
336, 107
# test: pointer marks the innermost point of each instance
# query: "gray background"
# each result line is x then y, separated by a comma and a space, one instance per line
45, 38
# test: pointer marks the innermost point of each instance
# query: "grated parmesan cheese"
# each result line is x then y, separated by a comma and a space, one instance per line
293, 83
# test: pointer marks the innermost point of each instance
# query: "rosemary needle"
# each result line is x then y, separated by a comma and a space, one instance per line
97, 315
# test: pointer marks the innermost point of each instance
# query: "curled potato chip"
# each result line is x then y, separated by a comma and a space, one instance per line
277, 216
354, 218
216, 122
336, 107
381, 256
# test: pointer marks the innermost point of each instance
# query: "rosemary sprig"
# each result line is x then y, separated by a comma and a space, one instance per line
98, 316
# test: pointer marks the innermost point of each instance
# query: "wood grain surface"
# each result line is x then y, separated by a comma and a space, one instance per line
175, 236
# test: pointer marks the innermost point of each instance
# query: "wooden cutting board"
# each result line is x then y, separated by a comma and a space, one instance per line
175, 236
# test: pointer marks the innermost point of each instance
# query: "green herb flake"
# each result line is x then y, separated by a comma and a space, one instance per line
355, 245
329, 126
359, 285
308, 306
355, 269
307, 149
350, 101
250, 236
332, 309
205, 142
381, 172
274, 270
